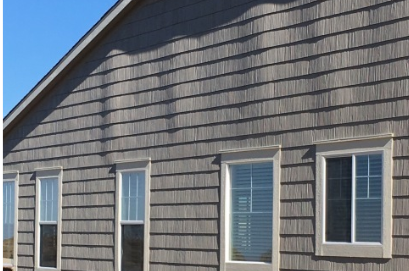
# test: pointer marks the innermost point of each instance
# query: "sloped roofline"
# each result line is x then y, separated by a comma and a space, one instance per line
108, 20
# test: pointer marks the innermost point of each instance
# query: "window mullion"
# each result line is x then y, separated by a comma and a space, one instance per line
136, 196
367, 183
251, 188
129, 197
6, 204
353, 199
52, 200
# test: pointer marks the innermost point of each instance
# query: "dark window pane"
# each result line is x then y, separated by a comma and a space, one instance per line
361, 165
338, 199
48, 245
132, 248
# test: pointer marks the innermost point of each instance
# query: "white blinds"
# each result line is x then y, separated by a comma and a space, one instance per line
133, 196
251, 212
49, 199
368, 201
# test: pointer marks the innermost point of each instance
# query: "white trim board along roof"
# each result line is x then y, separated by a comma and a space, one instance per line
110, 18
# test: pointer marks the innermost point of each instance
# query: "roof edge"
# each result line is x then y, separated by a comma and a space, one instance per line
107, 20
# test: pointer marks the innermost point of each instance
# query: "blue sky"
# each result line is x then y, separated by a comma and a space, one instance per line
36, 35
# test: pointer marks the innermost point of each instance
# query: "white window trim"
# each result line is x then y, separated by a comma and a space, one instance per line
143, 164
10, 176
348, 147
249, 155
41, 173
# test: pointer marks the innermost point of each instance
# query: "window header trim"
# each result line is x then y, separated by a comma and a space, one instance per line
249, 155
352, 139
270, 147
132, 164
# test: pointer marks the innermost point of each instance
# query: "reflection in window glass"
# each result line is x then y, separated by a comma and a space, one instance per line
133, 196
251, 212
339, 193
8, 219
132, 248
132, 220
48, 222
48, 245
367, 207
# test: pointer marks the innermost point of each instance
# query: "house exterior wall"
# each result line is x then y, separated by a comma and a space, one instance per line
178, 81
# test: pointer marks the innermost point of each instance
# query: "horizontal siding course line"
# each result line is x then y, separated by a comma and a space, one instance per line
198, 242
398, 145
229, 32
88, 213
211, 101
200, 164
185, 211
89, 264
132, 29
78, 252
178, 64
79, 135
87, 96
115, 87
315, 119
185, 196
208, 226
185, 257
177, 122
289, 174
274, 50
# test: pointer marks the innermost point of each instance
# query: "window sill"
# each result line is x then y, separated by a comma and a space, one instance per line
352, 250
245, 266
46, 269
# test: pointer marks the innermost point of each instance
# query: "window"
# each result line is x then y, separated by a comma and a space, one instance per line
10, 202
250, 209
132, 235
354, 197
48, 218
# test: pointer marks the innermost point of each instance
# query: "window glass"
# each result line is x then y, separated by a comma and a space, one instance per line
48, 222
368, 202
8, 219
48, 245
338, 201
251, 212
49, 199
133, 196
132, 247
132, 219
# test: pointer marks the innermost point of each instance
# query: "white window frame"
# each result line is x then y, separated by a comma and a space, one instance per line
135, 165
13, 176
247, 156
380, 144
43, 173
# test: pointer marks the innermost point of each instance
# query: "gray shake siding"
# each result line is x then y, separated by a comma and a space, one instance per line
178, 81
